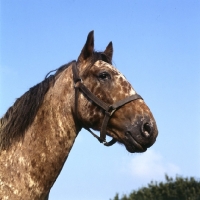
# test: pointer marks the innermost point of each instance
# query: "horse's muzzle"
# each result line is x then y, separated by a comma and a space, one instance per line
140, 135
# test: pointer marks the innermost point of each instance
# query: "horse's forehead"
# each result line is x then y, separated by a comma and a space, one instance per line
102, 64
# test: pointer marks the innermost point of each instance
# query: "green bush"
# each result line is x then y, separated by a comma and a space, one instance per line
177, 189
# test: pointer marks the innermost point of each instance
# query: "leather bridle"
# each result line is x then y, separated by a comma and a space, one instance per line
108, 109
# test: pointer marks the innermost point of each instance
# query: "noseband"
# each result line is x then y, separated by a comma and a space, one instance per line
108, 109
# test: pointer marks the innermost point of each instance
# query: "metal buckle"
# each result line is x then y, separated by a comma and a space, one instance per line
77, 81
104, 142
110, 111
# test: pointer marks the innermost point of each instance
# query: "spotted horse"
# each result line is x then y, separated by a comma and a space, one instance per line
39, 130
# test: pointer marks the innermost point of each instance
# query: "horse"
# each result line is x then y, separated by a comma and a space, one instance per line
39, 130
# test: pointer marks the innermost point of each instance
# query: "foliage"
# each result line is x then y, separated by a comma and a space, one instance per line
177, 189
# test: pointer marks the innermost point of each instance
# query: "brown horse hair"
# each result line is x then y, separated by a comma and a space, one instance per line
20, 116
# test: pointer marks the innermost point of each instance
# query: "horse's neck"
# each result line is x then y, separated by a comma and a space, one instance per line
31, 166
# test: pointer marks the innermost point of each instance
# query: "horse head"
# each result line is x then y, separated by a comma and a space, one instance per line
106, 101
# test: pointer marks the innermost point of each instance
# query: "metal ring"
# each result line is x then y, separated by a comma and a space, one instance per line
75, 83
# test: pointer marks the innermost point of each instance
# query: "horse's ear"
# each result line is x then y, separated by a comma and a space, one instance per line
88, 48
109, 51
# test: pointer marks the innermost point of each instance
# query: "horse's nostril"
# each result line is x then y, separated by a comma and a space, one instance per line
146, 130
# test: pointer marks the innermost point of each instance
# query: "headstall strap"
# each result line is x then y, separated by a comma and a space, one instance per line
109, 109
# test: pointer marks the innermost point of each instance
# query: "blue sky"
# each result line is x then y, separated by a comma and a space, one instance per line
157, 48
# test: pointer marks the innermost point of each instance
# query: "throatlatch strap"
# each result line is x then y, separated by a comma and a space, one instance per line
76, 79
113, 141
75, 74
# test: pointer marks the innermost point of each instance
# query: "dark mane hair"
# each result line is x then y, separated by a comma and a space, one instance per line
101, 56
20, 116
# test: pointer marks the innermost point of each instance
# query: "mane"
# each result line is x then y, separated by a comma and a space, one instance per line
101, 56
20, 116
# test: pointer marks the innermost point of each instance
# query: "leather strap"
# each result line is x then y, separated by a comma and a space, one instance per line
108, 109
113, 108
91, 96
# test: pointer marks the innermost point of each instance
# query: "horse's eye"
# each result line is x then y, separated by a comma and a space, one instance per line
104, 76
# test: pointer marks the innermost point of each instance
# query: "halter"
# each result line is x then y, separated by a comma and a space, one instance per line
108, 109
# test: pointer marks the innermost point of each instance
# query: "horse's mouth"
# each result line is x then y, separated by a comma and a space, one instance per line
132, 145
132, 142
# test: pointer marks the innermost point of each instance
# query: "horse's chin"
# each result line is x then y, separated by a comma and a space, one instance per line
133, 149
133, 146
130, 142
